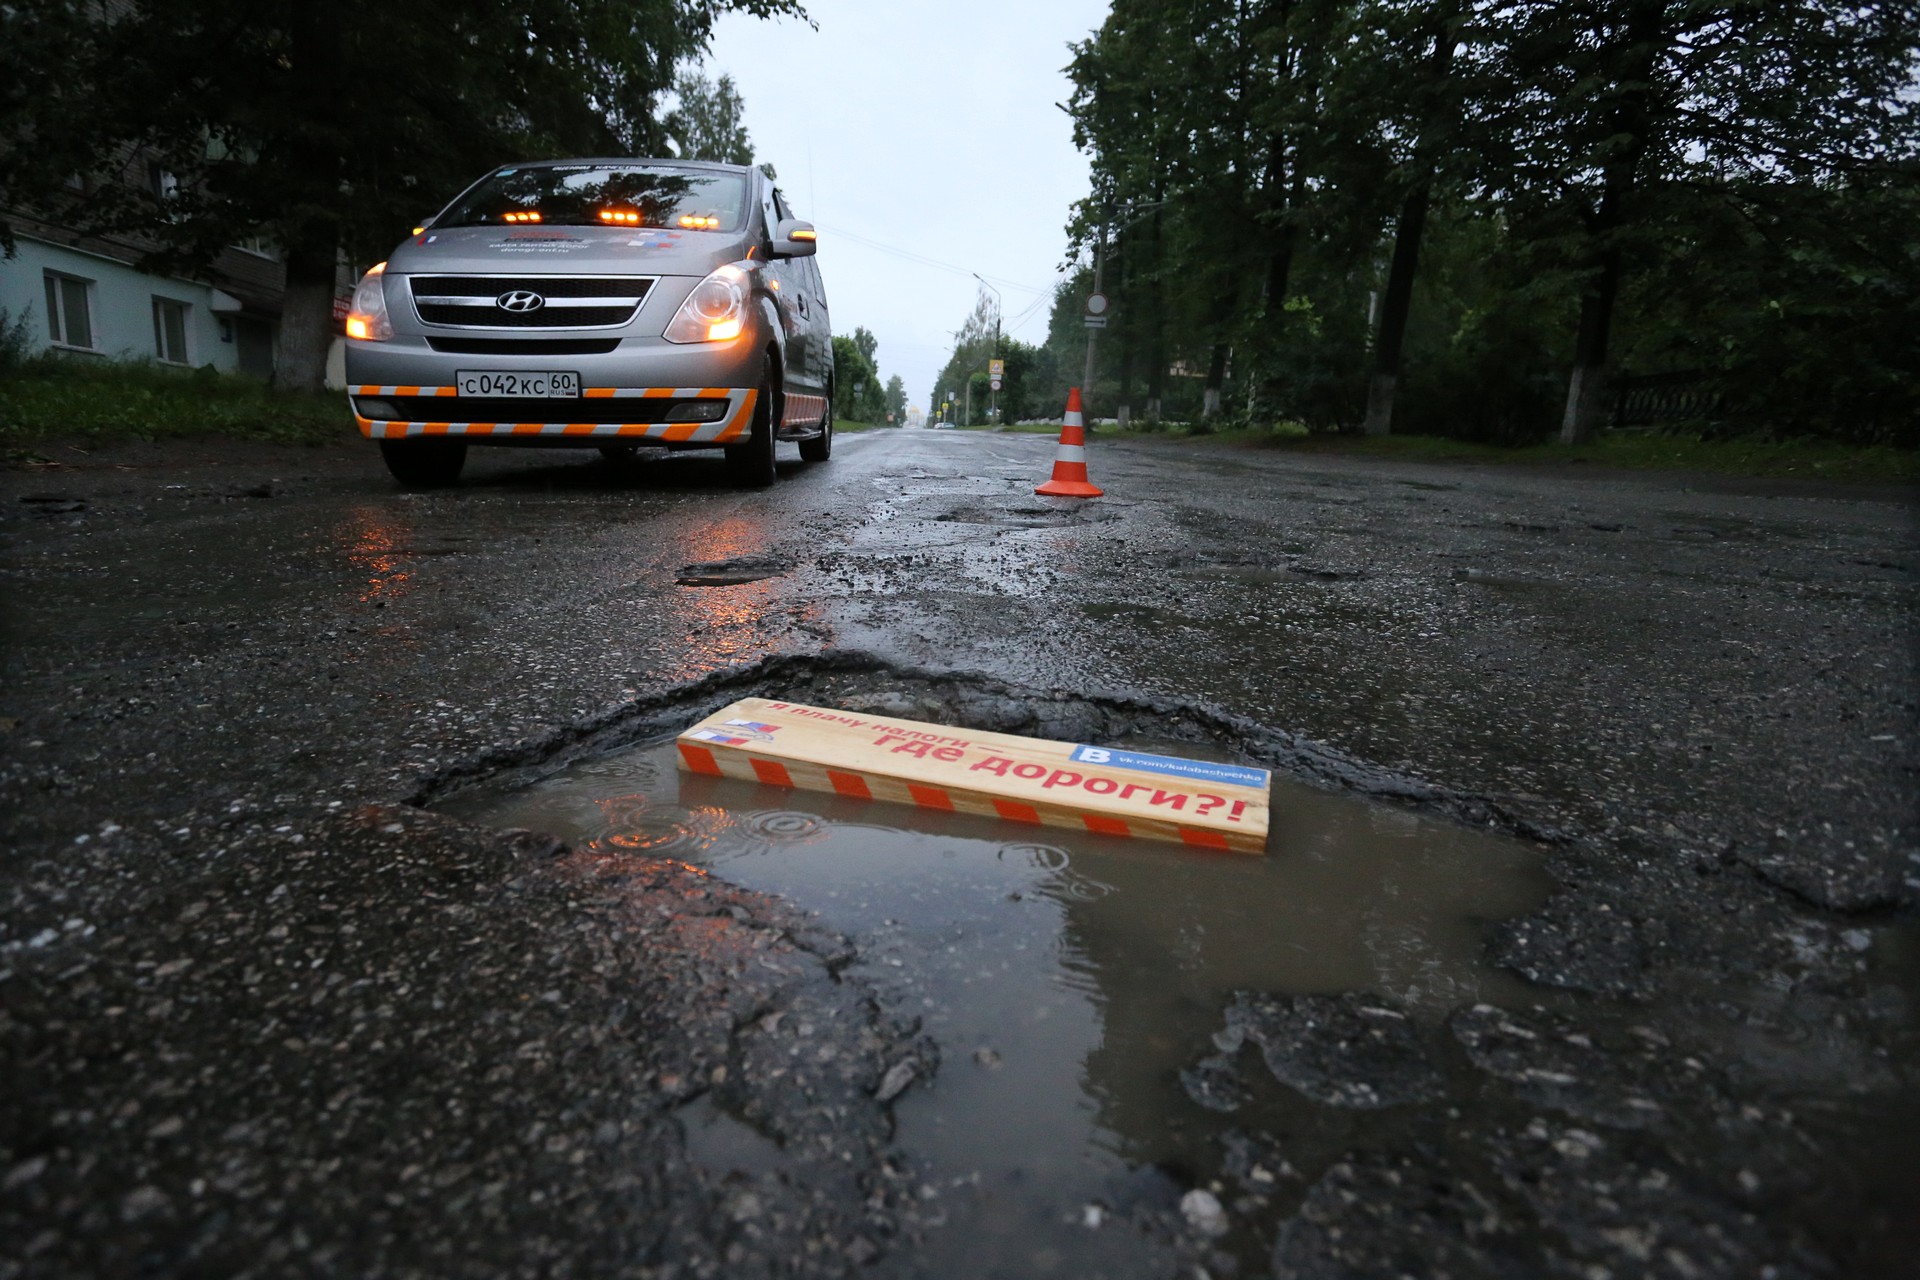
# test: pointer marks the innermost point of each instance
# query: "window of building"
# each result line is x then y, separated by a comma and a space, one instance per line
170, 330
161, 181
261, 245
69, 311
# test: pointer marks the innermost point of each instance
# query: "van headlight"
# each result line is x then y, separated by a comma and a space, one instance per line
367, 314
716, 310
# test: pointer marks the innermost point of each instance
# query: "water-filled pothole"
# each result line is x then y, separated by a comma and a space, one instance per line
1069, 979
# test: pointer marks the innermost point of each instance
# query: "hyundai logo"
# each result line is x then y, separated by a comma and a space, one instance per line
520, 300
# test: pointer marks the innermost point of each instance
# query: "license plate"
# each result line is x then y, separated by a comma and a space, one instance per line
527, 384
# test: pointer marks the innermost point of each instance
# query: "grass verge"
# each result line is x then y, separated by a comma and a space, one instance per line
61, 397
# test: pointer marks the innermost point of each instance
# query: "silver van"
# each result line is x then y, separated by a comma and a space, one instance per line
597, 303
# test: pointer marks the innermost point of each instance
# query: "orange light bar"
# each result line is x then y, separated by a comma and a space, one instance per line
528, 216
625, 217
699, 222
805, 235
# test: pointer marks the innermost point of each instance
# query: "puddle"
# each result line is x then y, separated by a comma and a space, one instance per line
1069, 979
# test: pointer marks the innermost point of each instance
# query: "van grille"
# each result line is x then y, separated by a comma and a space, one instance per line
524, 346
568, 302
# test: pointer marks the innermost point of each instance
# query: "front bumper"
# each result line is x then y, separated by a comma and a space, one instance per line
734, 423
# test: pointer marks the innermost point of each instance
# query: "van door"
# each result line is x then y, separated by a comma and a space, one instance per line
815, 347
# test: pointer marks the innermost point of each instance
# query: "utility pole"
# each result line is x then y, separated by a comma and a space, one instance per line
993, 394
1086, 380
1099, 261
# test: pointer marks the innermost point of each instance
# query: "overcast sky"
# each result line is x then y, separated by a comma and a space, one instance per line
924, 139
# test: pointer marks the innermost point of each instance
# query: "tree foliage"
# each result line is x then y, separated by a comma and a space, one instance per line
330, 128
709, 123
1576, 192
857, 393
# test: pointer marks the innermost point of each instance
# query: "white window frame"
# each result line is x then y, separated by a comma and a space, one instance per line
260, 245
162, 305
59, 321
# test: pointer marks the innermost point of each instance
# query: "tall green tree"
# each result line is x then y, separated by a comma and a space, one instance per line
1418, 126
330, 127
1612, 102
857, 393
897, 399
709, 123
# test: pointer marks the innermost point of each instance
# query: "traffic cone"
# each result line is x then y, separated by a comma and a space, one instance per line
1070, 460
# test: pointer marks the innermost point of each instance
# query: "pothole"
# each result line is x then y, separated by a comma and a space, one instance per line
1073, 982
1021, 517
734, 572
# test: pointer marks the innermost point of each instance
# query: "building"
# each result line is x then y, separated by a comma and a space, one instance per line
84, 294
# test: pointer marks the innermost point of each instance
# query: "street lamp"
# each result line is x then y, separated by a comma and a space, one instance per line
999, 304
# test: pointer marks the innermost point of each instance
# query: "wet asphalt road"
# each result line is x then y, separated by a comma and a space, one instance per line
260, 1013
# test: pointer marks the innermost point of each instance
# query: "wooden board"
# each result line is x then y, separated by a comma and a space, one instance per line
1030, 780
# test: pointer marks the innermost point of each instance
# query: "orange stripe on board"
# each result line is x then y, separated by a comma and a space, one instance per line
1014, 811
598, 393
930, 797
406, 391
1105, 826
446, 391
713, 392
849, 784
1204, 839
657, 393
700, 760
526, 428
771, 771
680, 431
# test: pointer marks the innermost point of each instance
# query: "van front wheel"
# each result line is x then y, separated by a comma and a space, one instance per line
750, 464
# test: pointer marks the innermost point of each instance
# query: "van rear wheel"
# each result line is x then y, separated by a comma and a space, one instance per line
820, 448
424, 464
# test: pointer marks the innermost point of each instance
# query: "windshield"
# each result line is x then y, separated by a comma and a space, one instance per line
601, 195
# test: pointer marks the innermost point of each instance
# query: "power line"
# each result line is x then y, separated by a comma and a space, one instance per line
923, 260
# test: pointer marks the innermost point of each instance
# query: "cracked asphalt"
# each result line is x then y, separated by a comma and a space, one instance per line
262, 1013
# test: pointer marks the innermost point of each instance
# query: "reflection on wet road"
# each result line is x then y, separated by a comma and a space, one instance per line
1068, 983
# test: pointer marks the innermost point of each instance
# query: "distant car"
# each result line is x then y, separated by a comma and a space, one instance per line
605, 303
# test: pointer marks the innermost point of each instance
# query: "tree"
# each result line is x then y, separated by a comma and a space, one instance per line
709, 123
857, 394
1612, 102
973, 347
897, 399
1425, 85
332, 128
1299, 173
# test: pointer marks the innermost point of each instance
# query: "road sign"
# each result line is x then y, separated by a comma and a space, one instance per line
996, 369
1096, 322
993, 384
1096, 304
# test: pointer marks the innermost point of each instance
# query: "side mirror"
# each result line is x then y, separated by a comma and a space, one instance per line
424, 224
795, 239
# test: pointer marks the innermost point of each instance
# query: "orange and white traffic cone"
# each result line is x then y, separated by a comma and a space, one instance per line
1070, 460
